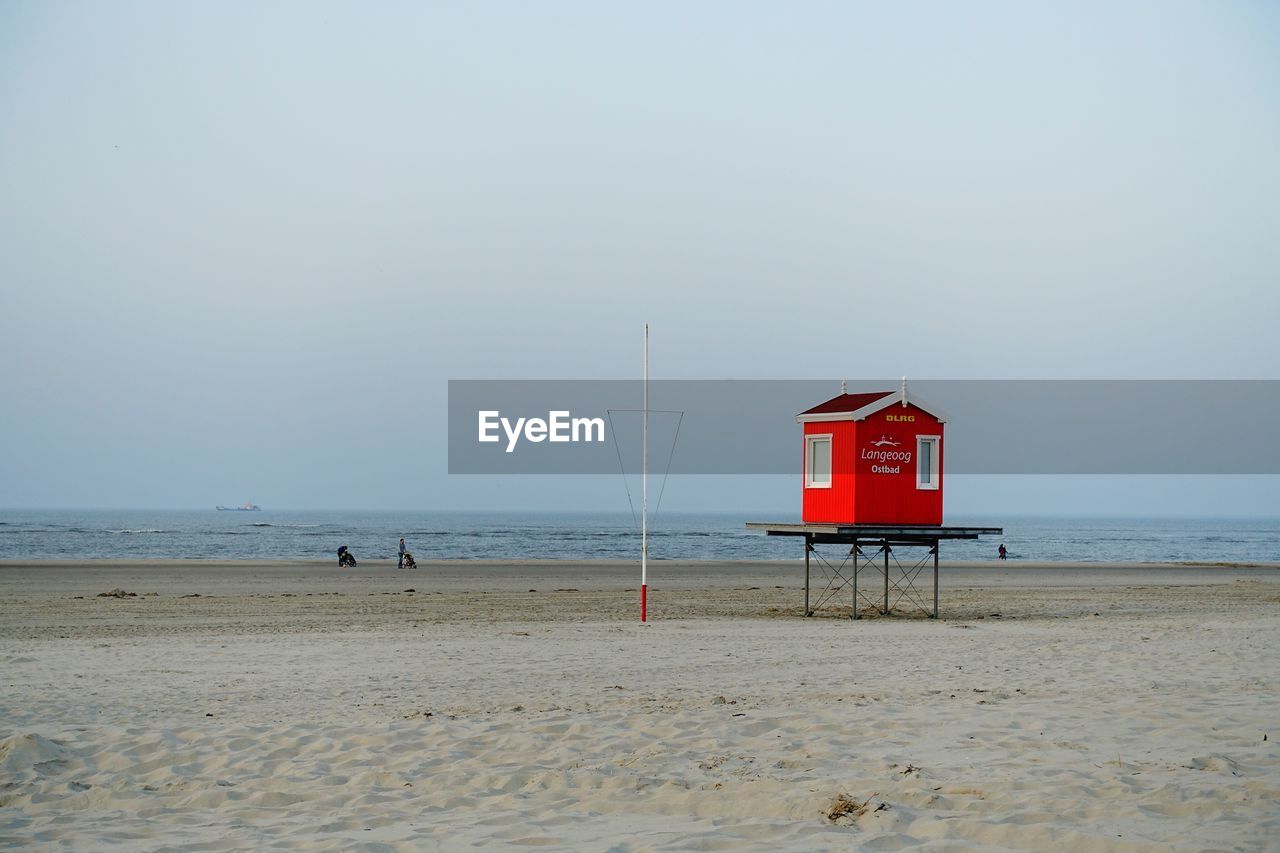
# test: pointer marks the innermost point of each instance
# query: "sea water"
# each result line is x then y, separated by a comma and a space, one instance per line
298, 534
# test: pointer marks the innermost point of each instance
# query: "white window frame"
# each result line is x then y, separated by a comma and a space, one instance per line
935, 457
809, 441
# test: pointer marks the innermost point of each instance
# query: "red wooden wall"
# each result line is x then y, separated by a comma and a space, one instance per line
893, 498
833, 505
859, 495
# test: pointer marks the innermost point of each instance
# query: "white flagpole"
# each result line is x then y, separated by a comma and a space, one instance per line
644, 487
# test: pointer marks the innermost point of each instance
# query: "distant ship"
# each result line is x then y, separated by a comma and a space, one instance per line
249, 507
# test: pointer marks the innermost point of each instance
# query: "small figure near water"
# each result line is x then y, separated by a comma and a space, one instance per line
1004, 554
403, 551
346, 558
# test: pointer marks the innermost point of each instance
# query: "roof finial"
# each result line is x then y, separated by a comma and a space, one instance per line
842, 387
904, 391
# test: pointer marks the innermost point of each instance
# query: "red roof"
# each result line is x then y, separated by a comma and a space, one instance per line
847, 403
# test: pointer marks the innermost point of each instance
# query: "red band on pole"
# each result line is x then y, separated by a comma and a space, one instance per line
644, 602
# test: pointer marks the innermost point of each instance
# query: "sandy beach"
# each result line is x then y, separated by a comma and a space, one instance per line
248, 705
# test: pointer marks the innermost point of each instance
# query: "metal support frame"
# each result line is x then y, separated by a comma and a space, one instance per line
887, 540
837, 577
904, 584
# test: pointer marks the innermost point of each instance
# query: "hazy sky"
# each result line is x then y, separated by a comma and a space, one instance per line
243, 247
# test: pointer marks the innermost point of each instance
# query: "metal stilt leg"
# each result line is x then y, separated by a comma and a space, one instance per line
885, 611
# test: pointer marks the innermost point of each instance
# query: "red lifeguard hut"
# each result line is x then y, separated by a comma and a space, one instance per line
873, 458
873, 485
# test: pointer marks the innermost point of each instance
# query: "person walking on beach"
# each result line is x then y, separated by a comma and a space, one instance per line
400, 564
1004, 554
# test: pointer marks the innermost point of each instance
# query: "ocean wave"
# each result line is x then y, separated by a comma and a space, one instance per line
130, 531
284, 526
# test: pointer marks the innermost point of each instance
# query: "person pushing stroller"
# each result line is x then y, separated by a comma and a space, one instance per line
406, 557
345, 558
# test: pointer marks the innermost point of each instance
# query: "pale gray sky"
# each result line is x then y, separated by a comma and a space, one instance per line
243, 247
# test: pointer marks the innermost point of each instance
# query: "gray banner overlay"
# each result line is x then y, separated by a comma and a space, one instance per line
749, 426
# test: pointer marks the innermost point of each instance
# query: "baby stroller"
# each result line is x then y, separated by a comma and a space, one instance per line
346, 558
409, 562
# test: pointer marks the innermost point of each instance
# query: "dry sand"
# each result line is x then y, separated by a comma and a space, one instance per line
251, 705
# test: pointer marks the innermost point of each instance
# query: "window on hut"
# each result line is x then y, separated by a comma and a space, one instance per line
927, 461
817, 473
